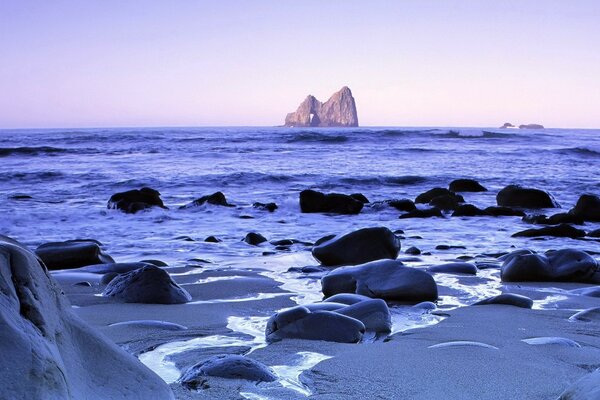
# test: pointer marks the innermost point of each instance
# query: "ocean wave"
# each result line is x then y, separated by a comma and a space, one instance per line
384, 180
469, 135
583, 151
31, 176
31, 151
319, 137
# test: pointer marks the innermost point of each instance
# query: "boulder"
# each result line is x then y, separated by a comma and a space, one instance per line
509, 299
446, 202
401, 204
385, 279
518, 196
312, 201
212, 239
413, 251
216, 199
149, 284
587, 208
72, 254
358, 247
504, 212
373, 313
431, 194
229, 366
254, 239
135, 200
48, 353
454, 268
360, 197
562, 230
466, 185
423, 213
270, 207
469, 210
300, 323
339, 110
566, 265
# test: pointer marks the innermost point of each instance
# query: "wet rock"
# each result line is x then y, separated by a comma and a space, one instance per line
312, 201
309, 269
229, 366
449, 247
401, 204
347, 298
185, 238
518, 196
556, 219
504, 212
469, 210
217, 199
587, 208
360, 197
48, 352
426, 213
594, 233
466, 185
135, 200
358, 247
566, 265
454, 268
373, 313
414, 251
106, 278
300, 323
212, 239
149, 284
385, 279
551, 340
118, 268
586, 388
72, 254
158, 263
509, 299
254, 239
446, 202
431, 194
562, 230
270, 207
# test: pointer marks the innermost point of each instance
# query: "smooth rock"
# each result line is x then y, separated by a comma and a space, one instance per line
556, 219
401, 204
509, 299
312, 201
466, 185
426, 213
567, 265
587, 315
254, 239
373, 313
72, 254
431, 194
413, 251
135, 200
504, 212
587, 208
562, 230
454, 268
212, 239
230, 366
217, 199
518, 196
360, 197
469, 210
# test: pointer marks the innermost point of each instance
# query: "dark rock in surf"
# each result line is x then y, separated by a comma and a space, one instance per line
216, 199
587, 208
466, 185
454, 268
385, 279
556, 219
413, 251
402, 204
254, 239
229, 366
149, 284
431, 194
566, 265
135, 200
312, 201
469, 210
562, 230
212, 239
358, 247
360, 197
446, 202
509, 299
426, 213
518, 196
72, 254
504, 212
270, 207
594, 233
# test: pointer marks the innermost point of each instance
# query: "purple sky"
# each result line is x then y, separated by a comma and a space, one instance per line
188, 63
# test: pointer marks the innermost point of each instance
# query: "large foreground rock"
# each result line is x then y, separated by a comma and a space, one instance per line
518, 196
587, 208
586, 388
312, 201
566, 265
136, 200
72, 254
358, 247
339, 110
229, 366
47, 352
148, 284
385, 279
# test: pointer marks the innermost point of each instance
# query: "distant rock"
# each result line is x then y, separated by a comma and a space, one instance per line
135, 200
507, 125
531, 126
339, 110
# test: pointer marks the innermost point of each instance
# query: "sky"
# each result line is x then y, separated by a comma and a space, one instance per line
211, 63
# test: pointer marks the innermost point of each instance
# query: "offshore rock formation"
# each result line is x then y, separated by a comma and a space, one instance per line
339, 110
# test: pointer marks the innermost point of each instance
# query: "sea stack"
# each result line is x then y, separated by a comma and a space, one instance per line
339, 111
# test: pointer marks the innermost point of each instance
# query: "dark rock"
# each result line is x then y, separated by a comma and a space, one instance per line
509, 299
230, 366
466, 185
469, 210
373, 313
217, 199
312, 201
347, 298
402, 204
185, 238
504, 212
135, 200
427, 213
587, 208
212, 239
106, 278
446, 202
309, 269
587, 315
119, 268
283, 242
254, 239
358, 247
562, 230
437, 192
414, 251
558, 266
339, 110
282, 248
385, 279
300, 323
246, 217
518, 196
149, 284
448, 247
454, 268
560, 218
270, 207
360, 197
594, 233
72, 254
20, 197
324, 239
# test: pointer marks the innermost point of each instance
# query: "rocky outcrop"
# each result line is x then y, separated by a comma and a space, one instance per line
507, 125
48, 352
339, 110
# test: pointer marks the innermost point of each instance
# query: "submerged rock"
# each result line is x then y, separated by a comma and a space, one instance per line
72, 254
339, 110
466, 185
426, 213
48, 352
358, 247
587, 208
217, 199
562, 230
385, 279
270, 207
469, 210
135, 200
401, 204
229, 366
254, 239
446, 202
431, 194
518, 196
312, 201
566, 265
149, 284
